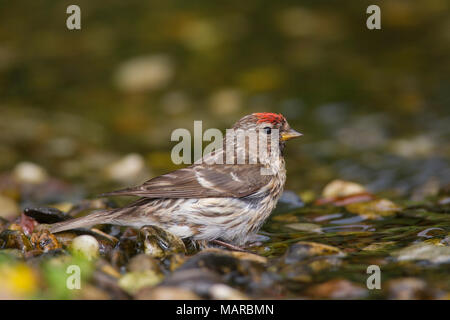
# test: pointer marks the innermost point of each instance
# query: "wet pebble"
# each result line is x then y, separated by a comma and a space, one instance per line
65, 238
337, 289
144, 262
128, 169
158, 243
166, 293
221, 291
46, 214
341, 193
407, 289
106, 242
374, 209
304, 259
127, 247
289, 200
379, 246
210, 267
341, 188
223, 261
309, 227
418, 146
45, 241
431, 232
174, 261
302, 250
90, 292
132, 282
104, 266
424, 251
197, 281
85, 246
27, 224
15, 239
28, 172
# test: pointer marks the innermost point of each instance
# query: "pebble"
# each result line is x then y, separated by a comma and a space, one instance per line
221, 291
338, 289
143, 262
424, 251
342, 188
45, 241
406, 289
310, 227
166, 293
159, 243
374, 209
420, 146
129, 168
305, 249
86, 246
377, 246
15, 239
290, 200
28, 172
132, 282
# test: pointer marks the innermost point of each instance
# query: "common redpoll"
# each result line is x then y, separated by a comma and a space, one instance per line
210, 200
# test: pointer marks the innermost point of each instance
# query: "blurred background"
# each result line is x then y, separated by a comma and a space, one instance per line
95, 107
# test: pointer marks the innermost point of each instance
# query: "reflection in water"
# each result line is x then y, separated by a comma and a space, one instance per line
346, 228
350, 220
328, 217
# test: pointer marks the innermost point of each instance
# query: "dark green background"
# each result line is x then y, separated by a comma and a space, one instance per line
373, 105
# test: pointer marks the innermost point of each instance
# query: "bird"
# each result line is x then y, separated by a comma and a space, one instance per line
210, 200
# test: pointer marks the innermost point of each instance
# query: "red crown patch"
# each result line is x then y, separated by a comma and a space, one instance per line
269, 117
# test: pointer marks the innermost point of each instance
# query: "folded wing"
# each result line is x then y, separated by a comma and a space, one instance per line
200, 181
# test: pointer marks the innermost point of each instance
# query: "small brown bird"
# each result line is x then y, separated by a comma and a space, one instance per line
209, 201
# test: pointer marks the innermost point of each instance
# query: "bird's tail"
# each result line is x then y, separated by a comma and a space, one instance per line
99, 217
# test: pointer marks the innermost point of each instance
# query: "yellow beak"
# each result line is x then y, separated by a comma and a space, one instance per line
290, 134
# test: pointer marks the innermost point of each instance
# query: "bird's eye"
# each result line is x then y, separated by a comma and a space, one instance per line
268, 130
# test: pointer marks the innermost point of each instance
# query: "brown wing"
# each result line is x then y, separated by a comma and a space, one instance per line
200, 181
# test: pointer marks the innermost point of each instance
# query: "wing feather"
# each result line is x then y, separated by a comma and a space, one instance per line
201, 181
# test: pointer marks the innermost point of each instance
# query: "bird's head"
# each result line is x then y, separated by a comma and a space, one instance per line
266, 122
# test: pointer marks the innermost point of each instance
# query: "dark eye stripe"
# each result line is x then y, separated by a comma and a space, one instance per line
268, 130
